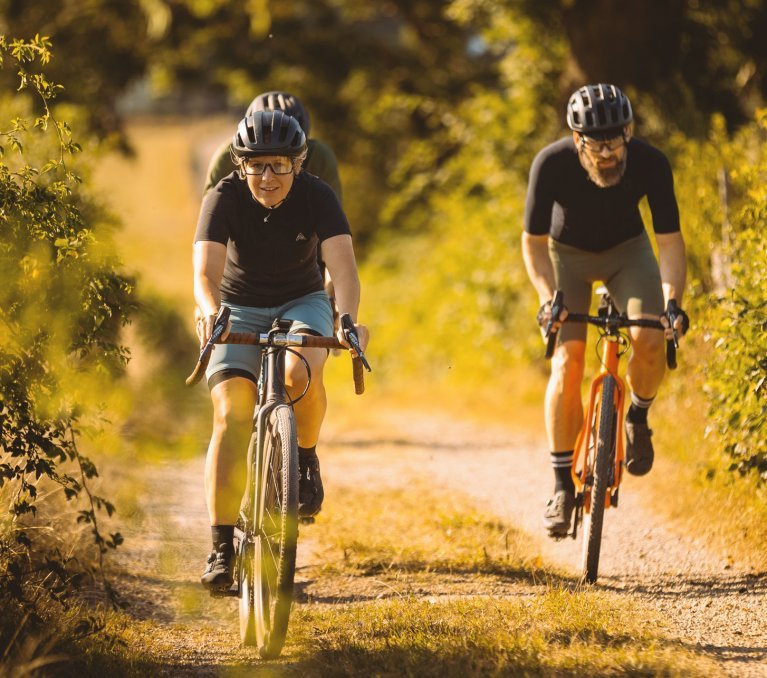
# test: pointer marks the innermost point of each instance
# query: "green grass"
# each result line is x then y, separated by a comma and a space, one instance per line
413, 530
513, 618
466, 605
554, 633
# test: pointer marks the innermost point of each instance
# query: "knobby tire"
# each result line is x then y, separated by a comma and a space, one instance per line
276, 540
603, 470
246, 556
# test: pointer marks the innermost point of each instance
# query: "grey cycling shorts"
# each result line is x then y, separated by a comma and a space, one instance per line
629, 271
310, 313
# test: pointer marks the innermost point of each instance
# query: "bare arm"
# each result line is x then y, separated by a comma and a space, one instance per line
673, 265
338, 255
208, 260
535, 252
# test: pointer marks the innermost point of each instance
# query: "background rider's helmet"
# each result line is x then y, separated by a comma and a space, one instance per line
268, 133
598, 110
281, 101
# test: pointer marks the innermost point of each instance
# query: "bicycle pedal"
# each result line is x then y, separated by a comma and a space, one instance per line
224, 593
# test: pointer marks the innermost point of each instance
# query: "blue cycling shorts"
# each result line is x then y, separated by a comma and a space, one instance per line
311, 313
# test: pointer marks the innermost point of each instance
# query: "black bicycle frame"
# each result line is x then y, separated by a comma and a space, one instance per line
271, 393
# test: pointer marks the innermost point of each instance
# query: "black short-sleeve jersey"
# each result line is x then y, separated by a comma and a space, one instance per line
563, 202
271, 255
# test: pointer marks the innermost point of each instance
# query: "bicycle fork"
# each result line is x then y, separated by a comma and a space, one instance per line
585, 446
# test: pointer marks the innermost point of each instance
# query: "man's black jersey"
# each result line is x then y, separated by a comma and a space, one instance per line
564, 203
271, 255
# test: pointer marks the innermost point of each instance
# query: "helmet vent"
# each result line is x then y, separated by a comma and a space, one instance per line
598, 109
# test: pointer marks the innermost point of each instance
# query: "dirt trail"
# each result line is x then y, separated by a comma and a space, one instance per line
708, 602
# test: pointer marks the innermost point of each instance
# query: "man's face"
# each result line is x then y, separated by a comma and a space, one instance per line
603, 159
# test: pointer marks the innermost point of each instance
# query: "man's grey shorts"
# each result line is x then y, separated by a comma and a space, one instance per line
629, 271
311, 313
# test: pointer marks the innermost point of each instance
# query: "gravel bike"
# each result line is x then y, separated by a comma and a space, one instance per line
266, 533
599, 449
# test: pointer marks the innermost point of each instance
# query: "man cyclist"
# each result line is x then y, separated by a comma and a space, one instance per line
582, 224
255, 251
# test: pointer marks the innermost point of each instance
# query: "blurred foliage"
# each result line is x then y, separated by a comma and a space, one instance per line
63, 301
387, 81
736, 370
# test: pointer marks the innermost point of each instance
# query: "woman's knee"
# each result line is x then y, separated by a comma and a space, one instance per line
233, 402
296, 373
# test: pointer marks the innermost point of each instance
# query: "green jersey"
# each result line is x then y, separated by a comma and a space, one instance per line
320, 161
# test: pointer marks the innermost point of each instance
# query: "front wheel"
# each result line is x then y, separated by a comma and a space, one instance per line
277, 537
246, 581
602, 469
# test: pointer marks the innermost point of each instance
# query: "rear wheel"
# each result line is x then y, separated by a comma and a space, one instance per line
276, 540
603, 469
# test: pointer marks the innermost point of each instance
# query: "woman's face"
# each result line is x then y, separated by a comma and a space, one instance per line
269, 178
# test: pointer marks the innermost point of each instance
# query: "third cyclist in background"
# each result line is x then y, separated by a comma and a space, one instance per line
582, 224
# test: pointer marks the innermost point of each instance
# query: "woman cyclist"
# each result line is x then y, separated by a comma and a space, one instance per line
255, 251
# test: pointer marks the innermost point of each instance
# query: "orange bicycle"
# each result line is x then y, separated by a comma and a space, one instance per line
598, 455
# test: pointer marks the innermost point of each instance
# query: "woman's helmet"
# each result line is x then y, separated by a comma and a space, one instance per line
598, 110
281, 101
268, 133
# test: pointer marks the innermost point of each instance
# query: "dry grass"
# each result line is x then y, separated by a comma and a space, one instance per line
466, 606
503, 614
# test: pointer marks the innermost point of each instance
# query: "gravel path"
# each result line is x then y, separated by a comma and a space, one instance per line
704, 599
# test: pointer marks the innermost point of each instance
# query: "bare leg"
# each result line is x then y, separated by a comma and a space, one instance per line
226, 463
563, 406
310, 410
646, 365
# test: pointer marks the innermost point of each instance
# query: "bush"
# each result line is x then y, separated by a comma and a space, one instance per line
737, 372
62, 303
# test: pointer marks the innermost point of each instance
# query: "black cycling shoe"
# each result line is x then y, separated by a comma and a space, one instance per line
218, 571
310, 492
639, 450
558, 514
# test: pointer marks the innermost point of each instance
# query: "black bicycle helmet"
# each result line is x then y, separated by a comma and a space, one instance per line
598, 110
281, 101
268, 133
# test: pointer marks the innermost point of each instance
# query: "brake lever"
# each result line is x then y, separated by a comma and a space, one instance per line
557, 306
219, 327
351, 336
672, 313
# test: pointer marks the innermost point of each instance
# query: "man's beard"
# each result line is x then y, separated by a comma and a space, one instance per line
604, 177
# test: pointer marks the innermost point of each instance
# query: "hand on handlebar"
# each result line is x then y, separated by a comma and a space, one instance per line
676, 322
205, 325
551, 315
354, 337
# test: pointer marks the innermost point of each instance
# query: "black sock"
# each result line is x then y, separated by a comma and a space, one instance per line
637, 413
222, 534
562, 463
307, 452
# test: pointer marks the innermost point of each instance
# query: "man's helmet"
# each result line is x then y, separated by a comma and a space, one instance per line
598, 110
281, 101
268, 133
